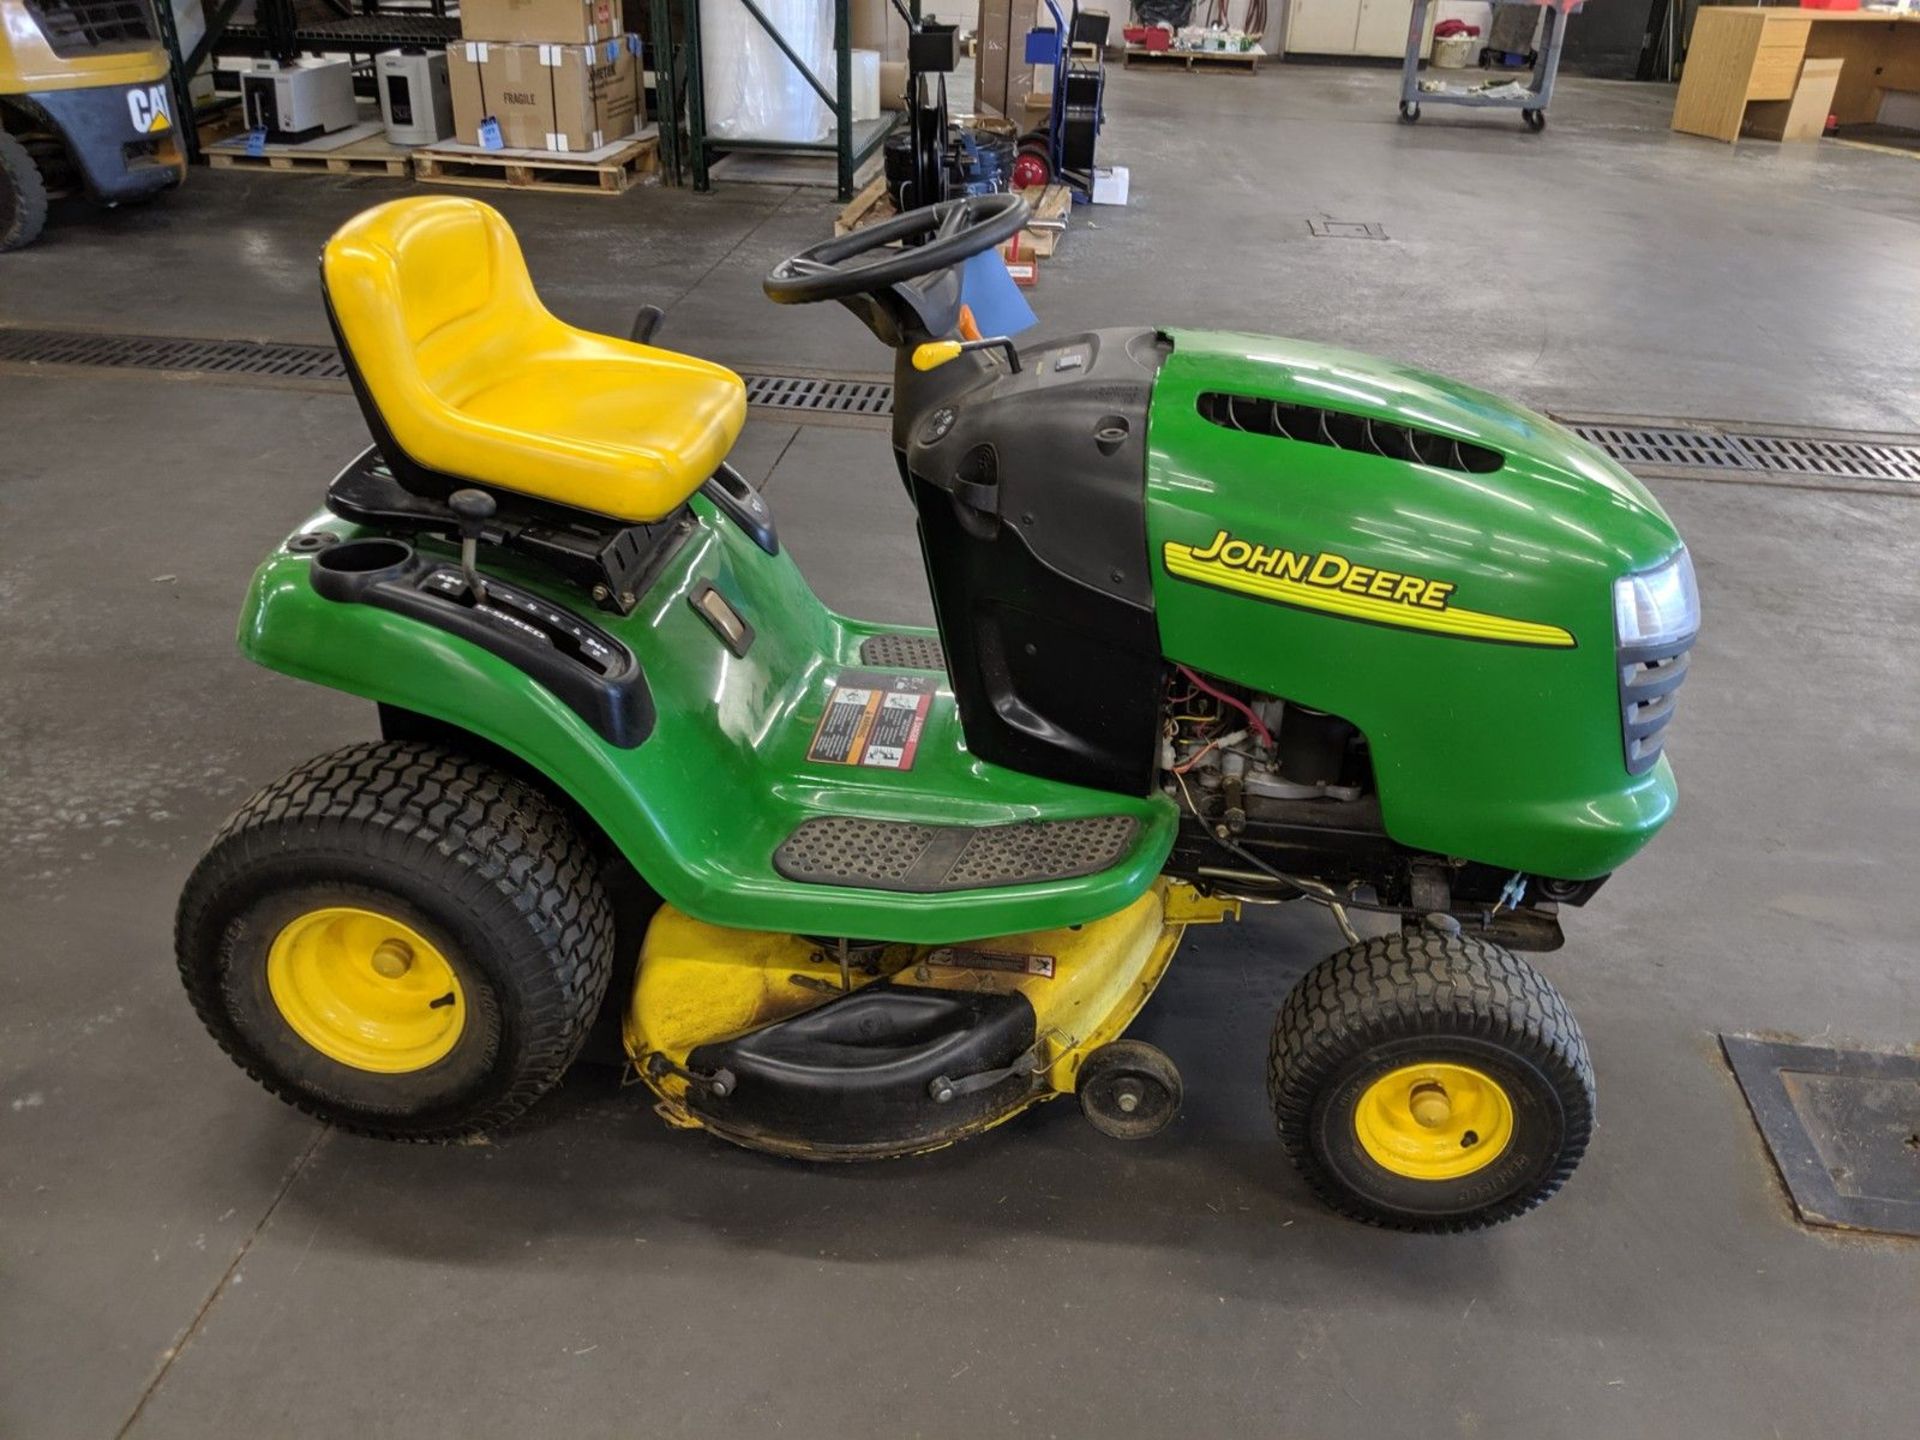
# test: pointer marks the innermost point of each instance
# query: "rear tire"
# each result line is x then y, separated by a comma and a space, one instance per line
1424, 1018
23, 195
484, 891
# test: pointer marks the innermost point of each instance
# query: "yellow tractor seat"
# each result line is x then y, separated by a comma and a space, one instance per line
463, 371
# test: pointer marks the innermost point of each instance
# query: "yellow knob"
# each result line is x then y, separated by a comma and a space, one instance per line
392, 959
935, 353
1430, 1106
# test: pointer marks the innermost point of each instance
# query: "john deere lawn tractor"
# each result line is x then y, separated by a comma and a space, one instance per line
85, 105
1223, 620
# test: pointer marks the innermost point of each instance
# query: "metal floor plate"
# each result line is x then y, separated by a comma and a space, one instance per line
898, 855
1843, 1127
903, 652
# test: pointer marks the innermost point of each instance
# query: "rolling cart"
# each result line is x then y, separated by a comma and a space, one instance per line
1530, 97
1062, 150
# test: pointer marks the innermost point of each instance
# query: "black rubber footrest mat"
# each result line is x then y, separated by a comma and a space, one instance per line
903, 652
1842, 1125
929, 859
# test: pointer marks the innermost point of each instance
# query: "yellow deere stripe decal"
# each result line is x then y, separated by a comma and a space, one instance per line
1325, 583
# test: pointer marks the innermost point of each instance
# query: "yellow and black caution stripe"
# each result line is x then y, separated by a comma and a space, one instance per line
1339, 598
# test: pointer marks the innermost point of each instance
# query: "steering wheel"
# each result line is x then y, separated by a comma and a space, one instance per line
860, 261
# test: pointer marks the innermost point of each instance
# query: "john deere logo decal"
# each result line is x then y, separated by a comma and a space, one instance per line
1334, 585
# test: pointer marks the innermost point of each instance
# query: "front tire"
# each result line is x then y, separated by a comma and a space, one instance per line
1427, 1081
399, 941
23, 195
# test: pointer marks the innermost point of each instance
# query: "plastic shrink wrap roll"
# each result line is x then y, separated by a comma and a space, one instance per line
753, 91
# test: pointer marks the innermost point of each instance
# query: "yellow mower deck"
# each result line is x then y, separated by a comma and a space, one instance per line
701, 985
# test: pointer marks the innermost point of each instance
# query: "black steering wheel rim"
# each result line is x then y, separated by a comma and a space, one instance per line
961, 228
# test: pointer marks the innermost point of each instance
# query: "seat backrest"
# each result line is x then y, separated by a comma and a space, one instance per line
425, 292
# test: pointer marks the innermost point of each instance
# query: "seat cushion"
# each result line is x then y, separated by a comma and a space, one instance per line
476, 380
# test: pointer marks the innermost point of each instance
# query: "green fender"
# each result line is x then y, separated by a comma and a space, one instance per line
700, 806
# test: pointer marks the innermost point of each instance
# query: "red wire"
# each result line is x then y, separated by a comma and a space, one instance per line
1260, 725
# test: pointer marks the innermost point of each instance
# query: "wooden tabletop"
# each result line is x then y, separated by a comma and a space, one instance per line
1783, 12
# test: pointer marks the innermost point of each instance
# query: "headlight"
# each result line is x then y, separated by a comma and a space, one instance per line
1658, 608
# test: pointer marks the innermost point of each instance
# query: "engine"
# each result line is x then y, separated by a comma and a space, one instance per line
1228, 758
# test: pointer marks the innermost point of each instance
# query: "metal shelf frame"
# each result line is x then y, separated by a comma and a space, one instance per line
851, 144
277, 33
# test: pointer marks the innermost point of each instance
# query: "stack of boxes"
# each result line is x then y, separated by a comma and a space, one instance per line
554, 75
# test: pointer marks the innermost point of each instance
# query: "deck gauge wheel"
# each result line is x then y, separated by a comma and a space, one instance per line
1129, 1090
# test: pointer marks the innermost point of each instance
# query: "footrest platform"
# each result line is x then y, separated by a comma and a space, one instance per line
899, 855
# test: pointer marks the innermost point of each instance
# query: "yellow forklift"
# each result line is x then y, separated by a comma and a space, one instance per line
85, 105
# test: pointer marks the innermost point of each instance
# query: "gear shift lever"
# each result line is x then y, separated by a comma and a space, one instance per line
474, 508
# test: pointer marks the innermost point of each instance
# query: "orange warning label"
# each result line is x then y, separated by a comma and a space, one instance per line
873, 718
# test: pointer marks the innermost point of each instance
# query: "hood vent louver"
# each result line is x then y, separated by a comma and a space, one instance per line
1258, 416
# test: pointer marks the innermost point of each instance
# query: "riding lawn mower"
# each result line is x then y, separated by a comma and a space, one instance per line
1223, 620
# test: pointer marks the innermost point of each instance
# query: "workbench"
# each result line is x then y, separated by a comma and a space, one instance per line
1740, 55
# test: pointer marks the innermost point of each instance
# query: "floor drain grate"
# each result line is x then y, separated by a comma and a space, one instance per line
800, 395
1347, 229
156, 352
819, 395
1755, 453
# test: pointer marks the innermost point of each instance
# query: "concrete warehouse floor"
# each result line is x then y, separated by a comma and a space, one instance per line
183, 1256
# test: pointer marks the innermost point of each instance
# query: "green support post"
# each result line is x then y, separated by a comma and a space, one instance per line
696, 101
666, 92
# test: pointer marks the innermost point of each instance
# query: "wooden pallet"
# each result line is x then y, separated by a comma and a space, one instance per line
222, 124
1051, 207
610, 170
374, 155
1247, 60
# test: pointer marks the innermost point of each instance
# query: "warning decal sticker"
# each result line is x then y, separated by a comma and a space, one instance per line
873, 718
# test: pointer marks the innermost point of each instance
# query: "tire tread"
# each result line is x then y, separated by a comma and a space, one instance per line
1413, 984
405, 802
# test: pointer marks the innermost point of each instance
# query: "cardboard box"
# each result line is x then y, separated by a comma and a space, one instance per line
1804, 117
534, 22
463, 79
519, 94
1002, 78
595, 94
1110, 184
876, 25
559, 98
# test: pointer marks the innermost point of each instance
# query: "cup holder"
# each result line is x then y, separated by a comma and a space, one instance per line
363, 557
347, 571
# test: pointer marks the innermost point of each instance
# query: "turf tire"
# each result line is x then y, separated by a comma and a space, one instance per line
1424, 995
483, 864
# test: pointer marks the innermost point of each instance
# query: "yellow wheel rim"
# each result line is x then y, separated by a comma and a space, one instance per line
1435, 1121
366, 990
